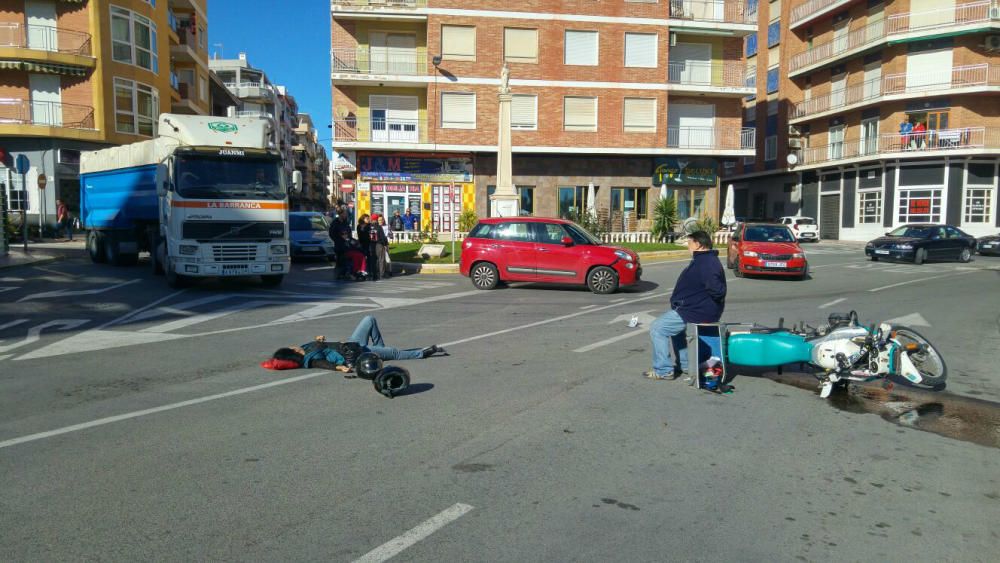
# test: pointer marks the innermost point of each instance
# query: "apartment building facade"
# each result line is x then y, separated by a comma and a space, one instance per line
311, 161
875, 114
82, 75
625, 95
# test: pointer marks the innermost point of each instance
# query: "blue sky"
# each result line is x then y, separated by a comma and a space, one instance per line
288, 39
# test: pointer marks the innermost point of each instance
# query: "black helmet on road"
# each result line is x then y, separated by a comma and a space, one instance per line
368, 366
392, 381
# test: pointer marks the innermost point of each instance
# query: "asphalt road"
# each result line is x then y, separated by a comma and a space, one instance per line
135, 423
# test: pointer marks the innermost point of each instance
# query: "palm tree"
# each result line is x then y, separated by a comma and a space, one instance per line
664, 218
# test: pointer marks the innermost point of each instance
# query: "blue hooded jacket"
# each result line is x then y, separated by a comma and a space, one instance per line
699, 295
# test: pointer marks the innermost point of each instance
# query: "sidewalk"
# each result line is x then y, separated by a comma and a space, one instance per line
41, 253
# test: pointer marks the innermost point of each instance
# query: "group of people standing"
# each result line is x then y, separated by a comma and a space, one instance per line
367, 256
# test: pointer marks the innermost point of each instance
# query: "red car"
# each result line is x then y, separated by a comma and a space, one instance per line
535, 249
764, 248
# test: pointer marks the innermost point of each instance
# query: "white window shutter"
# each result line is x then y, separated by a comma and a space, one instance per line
524, 111
640, 50
458, 110
579, 113
640, 115
520, 45
581, 48
458, 42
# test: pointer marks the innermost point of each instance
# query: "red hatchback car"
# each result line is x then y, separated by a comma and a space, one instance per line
535, 249
764, 248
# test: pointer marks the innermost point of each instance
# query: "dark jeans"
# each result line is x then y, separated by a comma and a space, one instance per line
67, 226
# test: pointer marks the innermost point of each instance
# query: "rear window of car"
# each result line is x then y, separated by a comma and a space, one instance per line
805, 221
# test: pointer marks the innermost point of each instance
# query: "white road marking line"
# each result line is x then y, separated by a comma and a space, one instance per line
205, 317
13, 323
619, 300
5, 356
10, 279
837, 264
6, 289
585, 307
131, 314
918, 280
35, 332
65, 292
611, 340
317, 268
832, 303
396, 545
154, 410
180, 308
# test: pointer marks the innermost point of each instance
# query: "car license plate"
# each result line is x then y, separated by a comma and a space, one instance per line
775, 264
881, 252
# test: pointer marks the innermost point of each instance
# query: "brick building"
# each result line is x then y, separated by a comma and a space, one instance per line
627, 95
875, 114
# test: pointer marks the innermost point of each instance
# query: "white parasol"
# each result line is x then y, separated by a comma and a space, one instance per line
729, 214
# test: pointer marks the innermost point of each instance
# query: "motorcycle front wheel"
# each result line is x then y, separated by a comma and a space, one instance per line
924, 356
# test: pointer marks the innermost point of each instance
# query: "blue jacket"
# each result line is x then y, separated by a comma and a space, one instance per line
699, 295
316, 351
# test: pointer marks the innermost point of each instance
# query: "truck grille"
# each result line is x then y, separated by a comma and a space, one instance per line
234, 253
233, 230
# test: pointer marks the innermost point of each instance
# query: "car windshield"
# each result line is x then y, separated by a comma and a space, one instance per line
768, 234
914, 232
219, 177
805, 221
580, 235
307, 223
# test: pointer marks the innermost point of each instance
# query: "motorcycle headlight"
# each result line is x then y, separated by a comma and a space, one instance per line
750, 253
188, 249
279, 249
623, 255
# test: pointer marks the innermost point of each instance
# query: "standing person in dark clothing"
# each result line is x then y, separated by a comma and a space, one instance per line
699, 296
340, 233
396, 223
365, 240
380, 243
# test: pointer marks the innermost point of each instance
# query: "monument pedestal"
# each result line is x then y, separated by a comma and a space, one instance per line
505, 205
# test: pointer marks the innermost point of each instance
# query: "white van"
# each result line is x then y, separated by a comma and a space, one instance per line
804, 228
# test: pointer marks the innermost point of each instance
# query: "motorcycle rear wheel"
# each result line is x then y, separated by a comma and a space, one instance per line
926, 359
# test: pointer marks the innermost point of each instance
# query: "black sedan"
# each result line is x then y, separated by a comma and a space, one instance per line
921, 243
989, 246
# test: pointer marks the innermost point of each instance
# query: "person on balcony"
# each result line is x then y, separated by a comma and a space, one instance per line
920, 135
905, 128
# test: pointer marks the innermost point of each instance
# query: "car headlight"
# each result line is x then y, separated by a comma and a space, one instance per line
798, 255
279, 249
904, 246
189, 249
623, 255
750, 253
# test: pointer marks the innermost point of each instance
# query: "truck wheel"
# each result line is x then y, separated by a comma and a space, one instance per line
156, 253
111, 254
174, 280
95, 247
272, 281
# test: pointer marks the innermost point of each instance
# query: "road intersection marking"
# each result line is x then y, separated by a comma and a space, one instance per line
393, 547
67, 292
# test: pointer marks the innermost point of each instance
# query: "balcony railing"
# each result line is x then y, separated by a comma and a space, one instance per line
380, 3
378, 61
711, 138
255, 113
53, 114
44, 38
888, 143
725, 74
873, 33
724, 11
380, 131
811, 7
871, 91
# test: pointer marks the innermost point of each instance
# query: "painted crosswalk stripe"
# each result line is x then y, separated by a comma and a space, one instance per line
393, 547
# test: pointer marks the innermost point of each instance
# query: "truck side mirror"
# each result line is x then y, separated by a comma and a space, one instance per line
162, 180
296, 181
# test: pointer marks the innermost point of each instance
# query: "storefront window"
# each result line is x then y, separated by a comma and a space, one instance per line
978, 202
573, 199
869, 207
920, 206
630, 200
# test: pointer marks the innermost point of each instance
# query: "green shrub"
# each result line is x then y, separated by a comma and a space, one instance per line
664, 218
467, 220
589, 222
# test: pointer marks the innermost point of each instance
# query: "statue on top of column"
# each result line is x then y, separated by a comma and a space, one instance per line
505, 80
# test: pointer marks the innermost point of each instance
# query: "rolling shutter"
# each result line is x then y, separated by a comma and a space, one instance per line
928, 69
579, 114
458, 42
640, 50
640, 115
458, 110
581, 48
520, 45
524, 111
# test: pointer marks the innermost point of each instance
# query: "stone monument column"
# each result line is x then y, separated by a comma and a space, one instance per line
504, 202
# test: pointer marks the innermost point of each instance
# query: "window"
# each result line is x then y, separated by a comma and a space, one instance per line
527, 194
458, 110
137, 107
751, 45
572, 200
771, 148
772, 107
640, 50
978, 203
772, 79
520, 45
458, 42
630, 200
920, 206
869, 208
550, 233
524, 112
835, 149
518, 232
751, 112
581, 48
640, 115
869, 136
133, 39
579, 113
773, 33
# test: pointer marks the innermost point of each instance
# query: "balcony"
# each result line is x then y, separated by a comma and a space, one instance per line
963, 80
716, 77
729, 15
65, 51
965, 141
380, 131
364, 65
811, 10
381, 9
965, 18
250, 90
255, 113
712, 138
15, 111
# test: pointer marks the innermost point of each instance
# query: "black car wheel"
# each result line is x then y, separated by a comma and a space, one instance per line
919, 256
966, 255
602, 280
484, 275
736, 270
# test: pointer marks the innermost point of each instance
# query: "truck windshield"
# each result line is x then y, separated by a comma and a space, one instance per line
212, 176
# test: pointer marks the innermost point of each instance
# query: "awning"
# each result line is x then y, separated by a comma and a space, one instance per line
44, 68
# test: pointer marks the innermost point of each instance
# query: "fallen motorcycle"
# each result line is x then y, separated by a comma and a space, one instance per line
844, 351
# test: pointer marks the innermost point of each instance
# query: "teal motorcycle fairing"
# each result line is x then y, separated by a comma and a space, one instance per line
767, 349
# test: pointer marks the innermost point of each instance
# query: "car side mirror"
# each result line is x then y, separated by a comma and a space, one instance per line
567, 241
